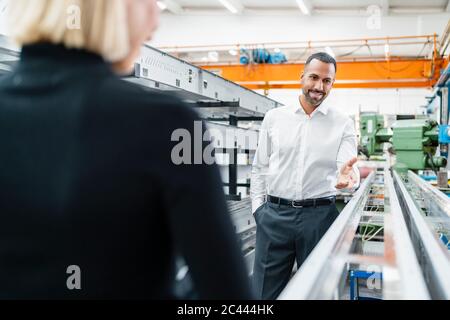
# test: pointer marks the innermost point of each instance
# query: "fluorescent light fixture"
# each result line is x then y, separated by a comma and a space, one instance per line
330, 51
303, 7
161, 5
229, 6
232, 52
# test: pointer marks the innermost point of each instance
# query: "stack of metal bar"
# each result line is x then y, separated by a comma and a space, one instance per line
245, 227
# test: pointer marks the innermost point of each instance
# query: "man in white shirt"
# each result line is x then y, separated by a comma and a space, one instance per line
305, 153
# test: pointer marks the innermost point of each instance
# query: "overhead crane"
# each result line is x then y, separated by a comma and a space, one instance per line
372, 71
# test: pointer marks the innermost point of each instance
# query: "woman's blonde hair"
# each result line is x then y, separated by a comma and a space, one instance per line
99, 26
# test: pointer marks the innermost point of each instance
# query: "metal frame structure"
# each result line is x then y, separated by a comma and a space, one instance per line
414, 262
429, 40
230, 140
245, 227
9, 55
426, 209
155, 67
325, 273
214, 97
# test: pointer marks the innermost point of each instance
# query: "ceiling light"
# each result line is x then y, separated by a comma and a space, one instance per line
303, 7
330, 51
162, 6
229, 6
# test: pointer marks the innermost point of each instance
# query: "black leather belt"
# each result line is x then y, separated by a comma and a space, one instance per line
302, 203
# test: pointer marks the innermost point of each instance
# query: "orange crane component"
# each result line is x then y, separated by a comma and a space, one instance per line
392, 73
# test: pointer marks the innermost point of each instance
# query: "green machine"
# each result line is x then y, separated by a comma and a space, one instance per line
415, 143
373, 134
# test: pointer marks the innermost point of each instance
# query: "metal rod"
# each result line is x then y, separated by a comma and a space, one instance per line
308, 278
408, 282
432, 255
232, 169
364, 40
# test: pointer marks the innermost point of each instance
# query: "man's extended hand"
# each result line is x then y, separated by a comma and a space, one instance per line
347, 177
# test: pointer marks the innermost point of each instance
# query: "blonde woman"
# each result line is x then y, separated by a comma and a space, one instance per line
91, 204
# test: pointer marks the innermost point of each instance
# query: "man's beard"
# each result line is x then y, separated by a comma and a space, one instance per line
314, 101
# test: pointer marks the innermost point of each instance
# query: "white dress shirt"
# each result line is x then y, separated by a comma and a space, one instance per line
299, 156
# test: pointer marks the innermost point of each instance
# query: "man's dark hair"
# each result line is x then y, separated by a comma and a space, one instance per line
322, 56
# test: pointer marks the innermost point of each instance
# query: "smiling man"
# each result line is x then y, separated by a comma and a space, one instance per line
306, 152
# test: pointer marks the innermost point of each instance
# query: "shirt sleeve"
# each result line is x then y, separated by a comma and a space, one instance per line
201, 225
260, 168
348, 149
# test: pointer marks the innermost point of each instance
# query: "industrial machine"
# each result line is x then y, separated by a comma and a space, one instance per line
415, 142
373, 134
443, 96
261, 56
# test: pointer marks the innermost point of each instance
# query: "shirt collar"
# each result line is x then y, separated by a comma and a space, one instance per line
323, 108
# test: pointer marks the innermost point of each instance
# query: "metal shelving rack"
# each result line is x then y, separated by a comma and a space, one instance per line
9, 54
215, 98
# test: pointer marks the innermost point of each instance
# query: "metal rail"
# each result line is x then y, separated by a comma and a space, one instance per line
324, 275
156, 70
433, 256
405, 282
326, 261
245, 228
213, 97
